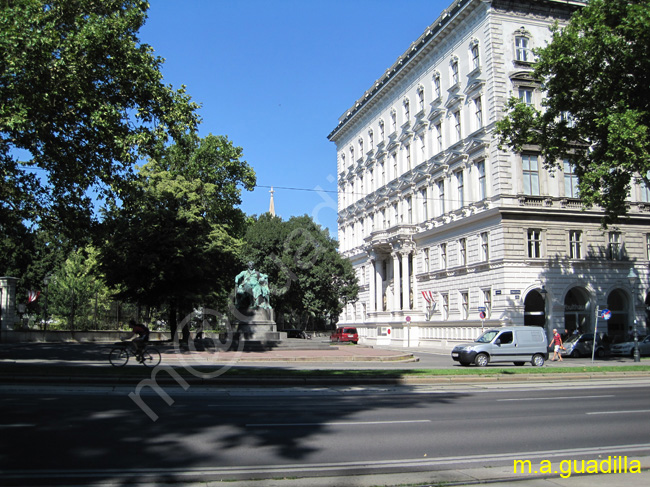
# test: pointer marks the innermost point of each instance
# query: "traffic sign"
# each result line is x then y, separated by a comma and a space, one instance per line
481, 314
408, 319
606, 314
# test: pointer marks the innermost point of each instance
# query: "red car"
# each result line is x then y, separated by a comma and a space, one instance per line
345, 334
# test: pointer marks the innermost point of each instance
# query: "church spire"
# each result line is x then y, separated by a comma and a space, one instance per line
272, 205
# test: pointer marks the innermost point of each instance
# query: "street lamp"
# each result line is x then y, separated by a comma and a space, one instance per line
633, 277
544, 293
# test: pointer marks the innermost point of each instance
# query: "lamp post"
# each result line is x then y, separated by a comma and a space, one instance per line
633, 277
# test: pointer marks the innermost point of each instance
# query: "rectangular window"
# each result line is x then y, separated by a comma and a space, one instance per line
478, 112
457, 127
575, 244
427, 267
531, 174
476, 62
645, 191
485, 247
647, 246
570, 180
526, 95
522, 51
462, 251
464, 296
443, 256
445, 306
409, 210
407, 149
420, 99
534, 243
454, 73
439, 136
460, 181
441, 197
425, 205
615, 246
480, 166
436, 86
487, 302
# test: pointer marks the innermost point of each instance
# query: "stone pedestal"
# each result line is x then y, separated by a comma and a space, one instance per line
258, 325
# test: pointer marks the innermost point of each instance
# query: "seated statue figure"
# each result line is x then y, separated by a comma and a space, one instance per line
251, 290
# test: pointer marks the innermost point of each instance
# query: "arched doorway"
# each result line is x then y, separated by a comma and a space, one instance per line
534, 309
577, 311
619, 304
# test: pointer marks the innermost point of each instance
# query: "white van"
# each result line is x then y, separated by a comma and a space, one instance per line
518, 344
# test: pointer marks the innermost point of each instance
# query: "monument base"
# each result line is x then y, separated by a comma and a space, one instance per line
258, 325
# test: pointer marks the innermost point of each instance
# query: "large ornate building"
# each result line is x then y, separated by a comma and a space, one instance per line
447, 232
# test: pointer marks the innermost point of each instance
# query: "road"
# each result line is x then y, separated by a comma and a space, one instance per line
87, 435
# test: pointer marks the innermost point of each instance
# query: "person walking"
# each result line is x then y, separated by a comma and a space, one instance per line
556, 343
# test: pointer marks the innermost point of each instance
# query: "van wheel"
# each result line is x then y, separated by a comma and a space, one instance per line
600, 353
519, 364
575, 354
464, 364
481, 360
538, 360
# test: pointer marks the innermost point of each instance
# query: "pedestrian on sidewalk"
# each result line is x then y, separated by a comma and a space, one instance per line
556, 343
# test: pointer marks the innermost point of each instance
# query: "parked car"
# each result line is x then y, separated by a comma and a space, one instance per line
518, 344
627, 348
581, 345
345, 334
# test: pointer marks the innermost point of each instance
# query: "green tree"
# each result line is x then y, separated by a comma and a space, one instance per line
307, 275
175, 237
77, 293
81, 100
596, 114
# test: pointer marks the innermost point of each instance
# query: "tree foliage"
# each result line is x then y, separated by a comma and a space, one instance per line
307, 275
81, 100
595, 72
174, 239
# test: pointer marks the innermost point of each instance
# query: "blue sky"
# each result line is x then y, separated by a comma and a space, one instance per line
275, 76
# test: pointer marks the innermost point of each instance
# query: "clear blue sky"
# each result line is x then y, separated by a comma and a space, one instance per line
275, 76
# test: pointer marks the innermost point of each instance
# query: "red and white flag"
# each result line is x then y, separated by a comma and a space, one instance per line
428, 296
32, 296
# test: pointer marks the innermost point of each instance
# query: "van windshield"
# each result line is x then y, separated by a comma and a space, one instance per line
487, 337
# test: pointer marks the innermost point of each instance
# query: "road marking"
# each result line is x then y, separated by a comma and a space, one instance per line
18, 425
631, 411
320, 468
333, 423
553, 398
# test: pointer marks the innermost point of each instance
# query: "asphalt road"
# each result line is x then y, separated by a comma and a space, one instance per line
88, 435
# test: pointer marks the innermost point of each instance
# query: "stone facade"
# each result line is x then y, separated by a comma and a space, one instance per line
443, 227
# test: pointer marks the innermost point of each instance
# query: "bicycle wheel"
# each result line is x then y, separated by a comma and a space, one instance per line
118, 357
150, 357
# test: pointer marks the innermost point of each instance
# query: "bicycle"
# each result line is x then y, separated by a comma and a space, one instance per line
120, 354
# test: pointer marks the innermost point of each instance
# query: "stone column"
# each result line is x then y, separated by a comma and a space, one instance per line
405, 281
396, 283
379, 285
8, 315
372, 292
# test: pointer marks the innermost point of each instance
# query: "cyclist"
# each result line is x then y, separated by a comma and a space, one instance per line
139, 338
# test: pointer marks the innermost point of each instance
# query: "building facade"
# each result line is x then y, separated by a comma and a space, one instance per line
450, 234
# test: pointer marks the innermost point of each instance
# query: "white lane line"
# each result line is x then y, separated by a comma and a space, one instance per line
552, 398
332, 423
18, 425
631, 411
